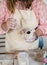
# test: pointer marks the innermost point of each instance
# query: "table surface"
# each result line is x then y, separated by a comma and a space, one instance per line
31, 52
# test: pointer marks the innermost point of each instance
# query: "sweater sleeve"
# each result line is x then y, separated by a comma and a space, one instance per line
40, 10
4, 15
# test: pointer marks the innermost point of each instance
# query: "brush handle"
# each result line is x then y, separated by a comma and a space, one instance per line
41, 42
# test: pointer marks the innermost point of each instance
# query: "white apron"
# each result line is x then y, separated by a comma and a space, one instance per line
14, 39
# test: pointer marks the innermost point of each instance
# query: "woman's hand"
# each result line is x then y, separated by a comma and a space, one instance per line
9, 25
4, 26
39, 32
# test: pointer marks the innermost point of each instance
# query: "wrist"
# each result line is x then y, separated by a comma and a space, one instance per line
39, 32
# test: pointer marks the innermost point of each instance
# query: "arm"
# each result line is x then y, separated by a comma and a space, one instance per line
4, 16
40, 15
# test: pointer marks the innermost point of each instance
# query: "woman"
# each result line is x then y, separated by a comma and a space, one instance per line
7, 9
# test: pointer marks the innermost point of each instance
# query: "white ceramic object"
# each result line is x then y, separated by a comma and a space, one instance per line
23, 58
